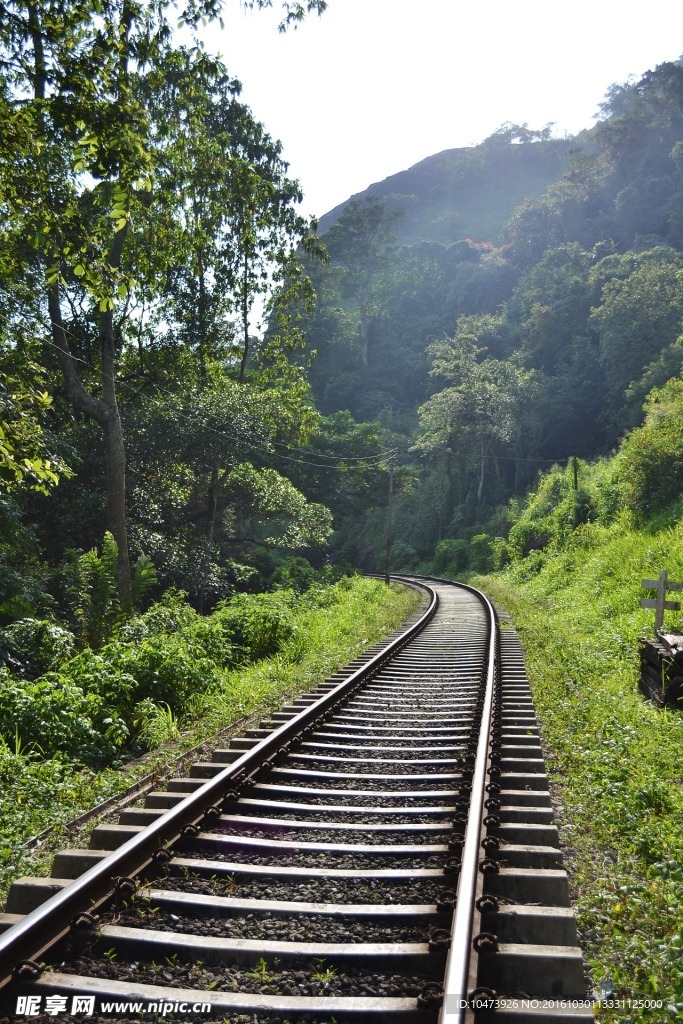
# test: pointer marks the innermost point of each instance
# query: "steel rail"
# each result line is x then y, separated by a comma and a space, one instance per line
458, 964
49, 923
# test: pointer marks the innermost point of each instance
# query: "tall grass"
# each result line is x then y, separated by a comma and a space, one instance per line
616, 761
329, 633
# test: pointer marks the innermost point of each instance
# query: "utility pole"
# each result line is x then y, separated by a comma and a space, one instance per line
390, 510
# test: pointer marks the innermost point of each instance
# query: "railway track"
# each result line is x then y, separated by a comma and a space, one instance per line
381, 850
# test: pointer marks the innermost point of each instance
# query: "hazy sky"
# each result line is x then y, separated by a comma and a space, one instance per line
374, 86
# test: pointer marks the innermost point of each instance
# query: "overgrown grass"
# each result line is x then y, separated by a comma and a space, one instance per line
617, 762
328, 629
327, 634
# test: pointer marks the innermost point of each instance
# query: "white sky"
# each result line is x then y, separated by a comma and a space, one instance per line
374, 86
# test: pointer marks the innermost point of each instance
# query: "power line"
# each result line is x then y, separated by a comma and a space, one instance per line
379, 459
531, 458
520, 458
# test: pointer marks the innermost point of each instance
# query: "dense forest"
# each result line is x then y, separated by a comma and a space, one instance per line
446, 335
492, 332
145, 214
443, 338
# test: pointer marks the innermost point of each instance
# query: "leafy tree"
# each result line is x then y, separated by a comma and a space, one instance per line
88, 189
206, 491
549, 317
344, 468
231, 206
360, 243
519, 133
551, 305
668, 364
489, 405
641, 119
639, 314
473, 336
27, 449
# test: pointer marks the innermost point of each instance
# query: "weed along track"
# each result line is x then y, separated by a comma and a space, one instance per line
380, 850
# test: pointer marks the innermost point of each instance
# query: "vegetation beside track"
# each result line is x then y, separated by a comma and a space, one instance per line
615, 759
306, 636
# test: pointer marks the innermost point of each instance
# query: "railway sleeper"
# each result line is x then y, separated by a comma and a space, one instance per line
355, 1009
525, 923
142, 816
150, 945
70, 864
546, 971
181, 902
111, 836
269, 807
375, 794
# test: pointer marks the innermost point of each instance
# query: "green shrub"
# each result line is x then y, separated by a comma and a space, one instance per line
299, 575
35, 646
450, 558
294, 574
55, 715
213, 636
534, 528
260, 624
650, 463
96, 674
557, 507
480, 554
404, 558
167, 668
500, 552
170, 614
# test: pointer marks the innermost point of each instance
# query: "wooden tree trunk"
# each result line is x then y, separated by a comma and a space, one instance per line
480, 489
245, 317
116, 501
364, 331
104, 411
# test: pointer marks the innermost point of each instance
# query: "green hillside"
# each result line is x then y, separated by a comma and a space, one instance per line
528, 332
466, 193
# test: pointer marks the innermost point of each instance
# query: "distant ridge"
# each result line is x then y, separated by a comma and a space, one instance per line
468, 192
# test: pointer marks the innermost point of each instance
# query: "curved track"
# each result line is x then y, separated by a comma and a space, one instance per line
380, 850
